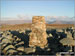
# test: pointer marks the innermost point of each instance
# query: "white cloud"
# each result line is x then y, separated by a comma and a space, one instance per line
64, 18
47, 18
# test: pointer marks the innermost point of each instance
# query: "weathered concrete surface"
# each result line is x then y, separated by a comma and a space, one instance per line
38, 36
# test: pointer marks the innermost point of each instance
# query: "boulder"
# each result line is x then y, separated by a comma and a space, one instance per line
7, 47
20, 48
29, 50
50, 35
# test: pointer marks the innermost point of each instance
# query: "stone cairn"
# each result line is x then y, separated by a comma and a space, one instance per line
38, 36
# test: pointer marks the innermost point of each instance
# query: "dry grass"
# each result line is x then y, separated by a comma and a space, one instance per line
51, 26
28, 25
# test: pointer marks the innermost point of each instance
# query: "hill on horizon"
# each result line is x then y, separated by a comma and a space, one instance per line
30, 21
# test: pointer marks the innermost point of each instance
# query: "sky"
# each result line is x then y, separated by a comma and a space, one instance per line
17, 9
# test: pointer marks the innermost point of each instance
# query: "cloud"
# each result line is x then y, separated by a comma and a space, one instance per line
24, 17
18, 17
47, 18
61, 18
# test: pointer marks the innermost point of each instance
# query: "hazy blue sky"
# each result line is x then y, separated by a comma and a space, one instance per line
41, 8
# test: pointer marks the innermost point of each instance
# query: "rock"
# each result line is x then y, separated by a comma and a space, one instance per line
7, 47
22, 31
65, 31
9, 37
4, 35
11, 52
20, 48
17, 29
29, 50
14, 37
5, 40
1, 32
50, 35
2, 45
20, 43
69, 35
58, 54
38, 36
18, 39
48, 49
68, 41
67, 55
59, 30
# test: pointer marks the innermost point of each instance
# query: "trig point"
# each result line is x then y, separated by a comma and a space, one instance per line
38, 36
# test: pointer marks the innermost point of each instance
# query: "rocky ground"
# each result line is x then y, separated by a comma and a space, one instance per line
16, 42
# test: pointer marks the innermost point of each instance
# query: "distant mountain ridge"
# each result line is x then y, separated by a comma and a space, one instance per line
15, 21
30, 21
49, 20
61, 22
